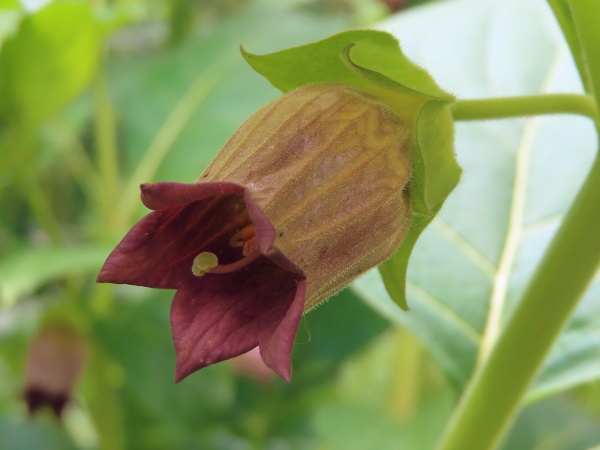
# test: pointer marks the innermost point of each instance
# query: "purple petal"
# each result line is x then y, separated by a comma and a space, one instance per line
217, 317
277, 341
168, 194
159, 250
265, 235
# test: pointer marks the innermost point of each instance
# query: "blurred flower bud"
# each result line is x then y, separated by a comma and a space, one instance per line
54, 363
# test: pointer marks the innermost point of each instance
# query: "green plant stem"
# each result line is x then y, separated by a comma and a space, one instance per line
27, 180
40, 206
529, 105
107, 153
406, 392
83, 171
168, 134
563, 15
102, 379
570, 263
586, 17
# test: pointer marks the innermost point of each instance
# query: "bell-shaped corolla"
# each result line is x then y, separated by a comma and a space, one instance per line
308, 194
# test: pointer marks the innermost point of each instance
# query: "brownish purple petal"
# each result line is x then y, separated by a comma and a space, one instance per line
217, 317
191, 218
169, 194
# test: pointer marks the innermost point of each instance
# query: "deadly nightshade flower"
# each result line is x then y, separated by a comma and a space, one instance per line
308, 194
54, 363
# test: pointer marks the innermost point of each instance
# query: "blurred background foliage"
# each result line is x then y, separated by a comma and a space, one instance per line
99, 96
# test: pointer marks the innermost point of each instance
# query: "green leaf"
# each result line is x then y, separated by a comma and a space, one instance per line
10, 16
559, 420
44, 66
519, 178
21, 272
10, 4
373, 62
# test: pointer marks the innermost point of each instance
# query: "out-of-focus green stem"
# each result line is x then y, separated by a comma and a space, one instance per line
528, 105
406, 392
21, 144
168, 134
562, 12
40, 206
586, 17
84, 172
100, 392
107, 153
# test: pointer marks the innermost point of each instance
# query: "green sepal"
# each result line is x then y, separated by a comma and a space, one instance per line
372, 61
436, 174
322, 62
434, 162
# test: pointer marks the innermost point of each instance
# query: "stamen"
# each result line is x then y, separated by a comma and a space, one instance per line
250, 246
243, 237
207, 262
248, 232
236, 240
229, 268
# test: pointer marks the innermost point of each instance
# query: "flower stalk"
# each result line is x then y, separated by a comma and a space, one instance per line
524, 106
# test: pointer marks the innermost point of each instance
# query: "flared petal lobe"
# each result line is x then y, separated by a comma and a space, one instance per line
217, 317
189, 218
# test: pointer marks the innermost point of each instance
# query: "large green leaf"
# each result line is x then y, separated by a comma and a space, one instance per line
43, 66
22, 271
519, 178
10, 16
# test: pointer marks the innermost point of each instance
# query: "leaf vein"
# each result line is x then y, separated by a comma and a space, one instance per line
464, 247
468, 331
